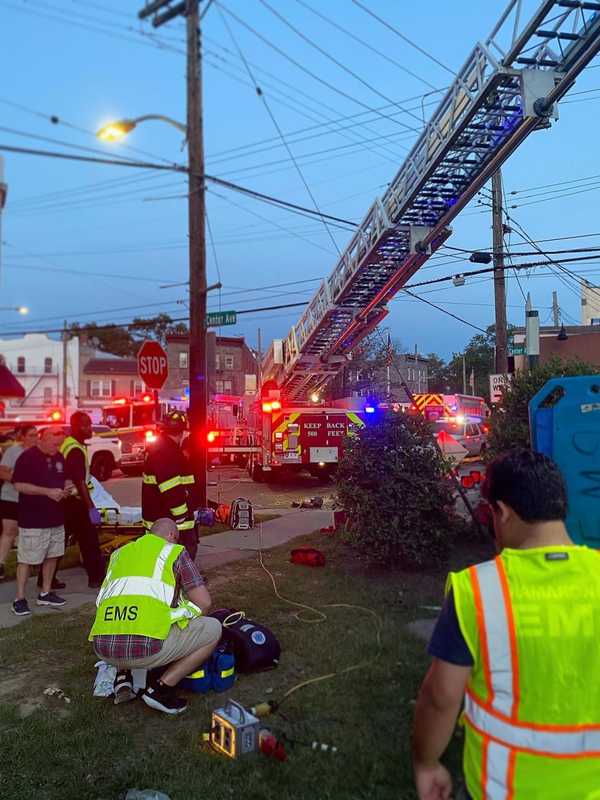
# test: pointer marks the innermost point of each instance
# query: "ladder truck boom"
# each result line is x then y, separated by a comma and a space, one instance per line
507, 88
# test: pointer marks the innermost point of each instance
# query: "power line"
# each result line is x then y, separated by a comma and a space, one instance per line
404, 37
443, 310
261, 95
338, 63
365, 44
301, 66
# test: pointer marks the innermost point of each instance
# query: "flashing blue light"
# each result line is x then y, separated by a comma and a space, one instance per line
369, 409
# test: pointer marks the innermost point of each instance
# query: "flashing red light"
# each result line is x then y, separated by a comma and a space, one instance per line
212, 435
120, 401
147, 398
275, 405
150, 436
267, 407
55, 416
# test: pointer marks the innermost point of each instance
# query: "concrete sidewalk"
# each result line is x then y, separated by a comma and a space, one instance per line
213, 551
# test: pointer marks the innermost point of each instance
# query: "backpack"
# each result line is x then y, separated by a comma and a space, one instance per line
241, 516
255, 647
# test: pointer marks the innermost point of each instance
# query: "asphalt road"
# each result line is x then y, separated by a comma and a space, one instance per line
227, 483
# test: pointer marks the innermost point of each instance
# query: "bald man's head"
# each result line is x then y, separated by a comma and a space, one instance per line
166, 529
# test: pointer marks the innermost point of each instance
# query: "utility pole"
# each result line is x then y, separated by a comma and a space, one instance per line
65, 342
555, 310
499, 280
196, 229
464, 374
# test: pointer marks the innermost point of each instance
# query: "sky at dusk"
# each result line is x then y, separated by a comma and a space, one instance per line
85, 242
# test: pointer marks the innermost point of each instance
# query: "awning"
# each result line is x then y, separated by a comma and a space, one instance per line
9, 385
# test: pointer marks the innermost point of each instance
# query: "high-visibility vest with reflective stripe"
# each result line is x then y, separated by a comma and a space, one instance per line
531, 619
69, 444
137, 594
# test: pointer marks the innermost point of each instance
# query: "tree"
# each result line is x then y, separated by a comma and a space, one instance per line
393, 483
438, 374
509, 423
479, 357
125, 341
366, 371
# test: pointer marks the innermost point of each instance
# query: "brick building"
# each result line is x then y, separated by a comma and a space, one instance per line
103, 376
582, 341
232, 365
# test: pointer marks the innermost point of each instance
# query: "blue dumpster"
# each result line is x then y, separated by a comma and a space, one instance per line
564, 419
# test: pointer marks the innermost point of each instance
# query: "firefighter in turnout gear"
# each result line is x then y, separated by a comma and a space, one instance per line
167, 485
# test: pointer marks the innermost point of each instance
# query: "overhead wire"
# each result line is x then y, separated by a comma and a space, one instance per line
265, 102
340, 64
404, 38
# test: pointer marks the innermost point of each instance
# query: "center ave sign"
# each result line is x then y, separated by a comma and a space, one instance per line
153, 367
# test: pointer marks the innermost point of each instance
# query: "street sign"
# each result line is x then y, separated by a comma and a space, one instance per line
153, 365
517, 349
217, 318
497, 383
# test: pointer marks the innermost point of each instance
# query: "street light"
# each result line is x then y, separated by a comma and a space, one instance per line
18, 309
117, 130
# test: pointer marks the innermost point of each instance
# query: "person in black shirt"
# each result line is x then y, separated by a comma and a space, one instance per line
39, 478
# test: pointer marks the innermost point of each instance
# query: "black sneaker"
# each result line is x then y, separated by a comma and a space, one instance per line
123, 687
50, 599
21, 608
163, 698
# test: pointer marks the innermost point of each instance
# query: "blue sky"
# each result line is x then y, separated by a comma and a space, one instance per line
86, 242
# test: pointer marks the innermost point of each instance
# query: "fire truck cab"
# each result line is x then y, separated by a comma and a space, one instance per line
298, 436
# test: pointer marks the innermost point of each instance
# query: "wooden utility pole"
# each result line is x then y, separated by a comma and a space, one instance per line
163, 12
499, 280
555, 310
65, 343
197, 251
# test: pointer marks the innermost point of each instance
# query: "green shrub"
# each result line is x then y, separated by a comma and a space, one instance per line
509, 423
393, 483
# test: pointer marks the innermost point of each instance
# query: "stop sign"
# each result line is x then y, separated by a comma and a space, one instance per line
153, 367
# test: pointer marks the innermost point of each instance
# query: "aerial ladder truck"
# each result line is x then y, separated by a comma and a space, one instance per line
508, 87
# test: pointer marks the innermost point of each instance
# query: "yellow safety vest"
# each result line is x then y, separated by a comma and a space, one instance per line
136, 597
70, 444
531, 619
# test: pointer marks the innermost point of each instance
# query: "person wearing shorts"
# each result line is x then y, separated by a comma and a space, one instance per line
39, 478
143, 622
25, 437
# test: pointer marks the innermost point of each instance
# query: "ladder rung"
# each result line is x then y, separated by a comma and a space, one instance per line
572, 37
544, 62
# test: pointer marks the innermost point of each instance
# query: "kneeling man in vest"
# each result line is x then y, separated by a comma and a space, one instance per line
519, 639
142, 621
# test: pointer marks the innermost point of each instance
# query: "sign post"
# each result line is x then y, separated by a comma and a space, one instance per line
153, 368
497, 383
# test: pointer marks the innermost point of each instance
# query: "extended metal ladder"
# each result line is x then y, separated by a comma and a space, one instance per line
507, 88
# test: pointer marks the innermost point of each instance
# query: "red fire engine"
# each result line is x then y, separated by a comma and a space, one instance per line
296, 436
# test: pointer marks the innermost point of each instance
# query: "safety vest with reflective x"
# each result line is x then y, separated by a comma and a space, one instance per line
531, 619
180, 512
136, 597
69, 444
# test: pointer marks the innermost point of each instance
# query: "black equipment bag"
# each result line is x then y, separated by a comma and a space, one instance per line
254, 646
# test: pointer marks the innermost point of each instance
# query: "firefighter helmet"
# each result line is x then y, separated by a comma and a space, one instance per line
174, 422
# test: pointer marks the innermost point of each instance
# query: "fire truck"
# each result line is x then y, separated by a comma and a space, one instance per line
463, 407
134, 422
294, 437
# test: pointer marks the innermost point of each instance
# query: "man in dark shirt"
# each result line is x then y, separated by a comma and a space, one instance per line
39, 477
82, 518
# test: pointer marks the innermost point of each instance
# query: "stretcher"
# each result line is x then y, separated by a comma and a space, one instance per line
120, 524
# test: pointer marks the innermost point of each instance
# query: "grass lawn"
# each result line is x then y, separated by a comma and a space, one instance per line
91, 749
